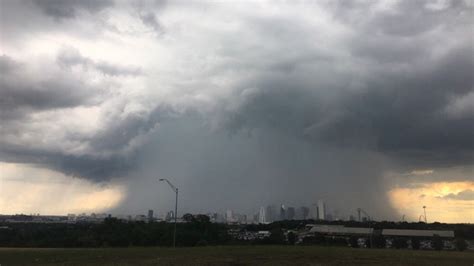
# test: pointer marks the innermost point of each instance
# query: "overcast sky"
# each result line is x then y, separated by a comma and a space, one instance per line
360, 103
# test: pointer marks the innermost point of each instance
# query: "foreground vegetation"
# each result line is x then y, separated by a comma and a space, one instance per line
196, 231
231, 255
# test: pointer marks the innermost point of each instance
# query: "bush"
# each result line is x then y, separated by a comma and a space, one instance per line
415, 243
314, 240
460, 244
400, 243
354, 242
437, 243
291, 238
202, 243
378, 241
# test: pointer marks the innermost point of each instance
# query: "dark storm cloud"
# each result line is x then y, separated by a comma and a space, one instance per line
298, 107
402, 19
396, 113
112, 152
82, 166
20, 94
63, 9
399, 105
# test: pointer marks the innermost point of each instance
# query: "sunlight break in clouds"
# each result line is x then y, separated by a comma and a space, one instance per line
451, 202
52, 193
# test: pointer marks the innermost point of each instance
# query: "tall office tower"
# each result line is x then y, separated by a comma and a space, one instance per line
313, 211
305, 211
282, 212
302, 213
229, 216
169, 216
321, 210
270, 214
262, 218
150, 215
290, 213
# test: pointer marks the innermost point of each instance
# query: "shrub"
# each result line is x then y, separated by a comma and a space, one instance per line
437, 243
415, 243
460, 244
400, 242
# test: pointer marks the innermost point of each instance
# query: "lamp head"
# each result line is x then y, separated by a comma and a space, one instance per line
161, 179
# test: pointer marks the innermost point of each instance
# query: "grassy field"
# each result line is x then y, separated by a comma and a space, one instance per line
231, 255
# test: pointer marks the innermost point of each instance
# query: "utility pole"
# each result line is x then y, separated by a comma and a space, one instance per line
175, 189
424, 210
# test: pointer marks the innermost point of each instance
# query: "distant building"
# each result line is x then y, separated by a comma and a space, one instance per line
150, 215
71, 217
417, 233
304, 212
282, 212
243, 219
262, 217
313, 212
229, 216
270, 214
290, 213
169, 216
321, 210
141, 218
340, 230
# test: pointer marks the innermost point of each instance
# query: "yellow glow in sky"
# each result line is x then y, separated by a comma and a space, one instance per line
28, 189
450, 202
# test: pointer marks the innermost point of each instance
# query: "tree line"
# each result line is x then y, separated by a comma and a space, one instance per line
198, 230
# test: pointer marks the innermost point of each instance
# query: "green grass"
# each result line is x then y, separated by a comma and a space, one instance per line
231, 255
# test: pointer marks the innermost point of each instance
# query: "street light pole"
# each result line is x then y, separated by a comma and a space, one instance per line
175, 218
175, 189
424, 210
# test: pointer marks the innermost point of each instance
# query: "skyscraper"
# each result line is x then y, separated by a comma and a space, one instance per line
262, 218
282, 212
313, 212
321, 210
302, 213
290, 213
229, 216
150, 215
270, 214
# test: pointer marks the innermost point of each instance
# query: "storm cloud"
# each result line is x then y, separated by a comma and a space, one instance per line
463, 195
301, 101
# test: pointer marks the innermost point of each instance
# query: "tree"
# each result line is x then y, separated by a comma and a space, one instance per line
276, 236
378, 241
354, 242
400, 243
317, 239
291, 238
415, 243
188, 217
437, 242
460, 244
201, 218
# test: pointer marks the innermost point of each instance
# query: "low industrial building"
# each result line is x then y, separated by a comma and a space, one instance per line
340, 230
416, 233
